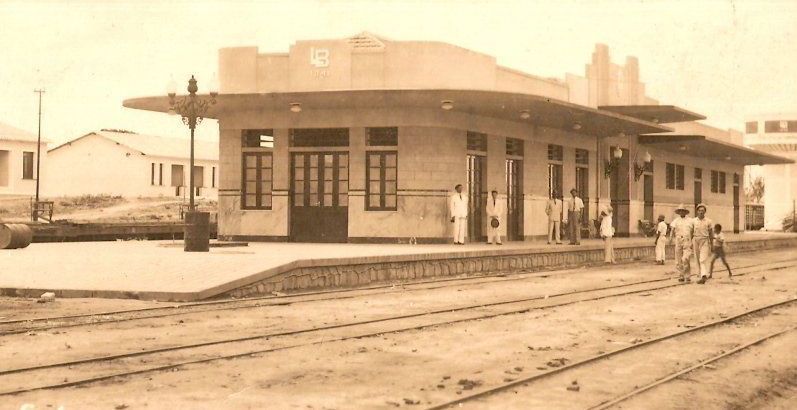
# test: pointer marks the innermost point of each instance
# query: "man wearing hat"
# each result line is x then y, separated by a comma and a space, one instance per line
702, 234
554, 211
681, 231
574, 207
495, 215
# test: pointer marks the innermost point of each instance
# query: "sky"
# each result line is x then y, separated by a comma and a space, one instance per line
724, 59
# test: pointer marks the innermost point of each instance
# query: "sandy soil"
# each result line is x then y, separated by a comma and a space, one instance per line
409, 368
101, 209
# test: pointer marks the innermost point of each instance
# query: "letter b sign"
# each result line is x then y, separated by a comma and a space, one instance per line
319, 57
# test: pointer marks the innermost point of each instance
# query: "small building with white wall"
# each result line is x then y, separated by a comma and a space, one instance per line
118, 162
775, 133
18, 161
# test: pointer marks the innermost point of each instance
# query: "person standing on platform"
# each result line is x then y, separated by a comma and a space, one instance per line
607, 233
554, 211
495, 214
681, 232
574, 208
703, 234
661, 240
458, 205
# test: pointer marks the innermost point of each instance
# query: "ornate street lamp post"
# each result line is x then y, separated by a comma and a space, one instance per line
193, 109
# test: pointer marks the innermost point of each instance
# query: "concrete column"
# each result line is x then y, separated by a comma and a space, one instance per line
496, 164
535, 188
282, 161
357, 159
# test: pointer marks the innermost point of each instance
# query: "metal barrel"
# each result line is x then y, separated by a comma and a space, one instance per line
15, 236
197, 231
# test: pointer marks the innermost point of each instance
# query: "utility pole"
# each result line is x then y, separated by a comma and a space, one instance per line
39, 91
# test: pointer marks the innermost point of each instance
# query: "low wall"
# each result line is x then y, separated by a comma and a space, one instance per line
327, 274
87, 232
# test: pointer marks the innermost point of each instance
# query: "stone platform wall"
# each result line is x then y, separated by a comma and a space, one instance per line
433, 266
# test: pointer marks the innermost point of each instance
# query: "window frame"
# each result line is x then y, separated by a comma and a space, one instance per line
28, 165
675, 176
258, 154
382, 180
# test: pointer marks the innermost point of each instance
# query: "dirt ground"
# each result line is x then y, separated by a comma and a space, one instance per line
435, 364
101, 208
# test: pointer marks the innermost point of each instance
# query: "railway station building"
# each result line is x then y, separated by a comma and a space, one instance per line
363, 139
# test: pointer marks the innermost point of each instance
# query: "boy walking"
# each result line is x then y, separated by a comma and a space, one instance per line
661, 240
718, 251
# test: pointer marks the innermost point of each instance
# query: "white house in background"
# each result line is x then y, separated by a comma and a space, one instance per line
118, 162
18, 161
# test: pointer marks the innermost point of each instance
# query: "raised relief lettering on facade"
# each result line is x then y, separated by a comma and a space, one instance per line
319, 57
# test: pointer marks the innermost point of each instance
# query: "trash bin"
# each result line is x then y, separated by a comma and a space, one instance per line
197, 231
15, 236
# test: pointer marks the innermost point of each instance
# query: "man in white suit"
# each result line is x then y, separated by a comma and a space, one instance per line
554, 211
458, 206
495, 210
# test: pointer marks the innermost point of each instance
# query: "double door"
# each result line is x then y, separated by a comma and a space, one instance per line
319, 197
514, 199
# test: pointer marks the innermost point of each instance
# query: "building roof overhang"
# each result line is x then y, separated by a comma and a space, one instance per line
710, 149
660, 114
497, 104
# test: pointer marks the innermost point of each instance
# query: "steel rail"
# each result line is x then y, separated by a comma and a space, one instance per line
673, 376
316, 329
589, 360
280, 300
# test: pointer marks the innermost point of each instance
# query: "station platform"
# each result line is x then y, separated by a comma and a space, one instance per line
160, 270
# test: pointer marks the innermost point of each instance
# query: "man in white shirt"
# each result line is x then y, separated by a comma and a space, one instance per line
458, 207
495, 210
681, 230
554, 211
574, 207
702, 235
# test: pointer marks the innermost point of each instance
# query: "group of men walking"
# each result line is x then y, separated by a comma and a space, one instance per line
698, 236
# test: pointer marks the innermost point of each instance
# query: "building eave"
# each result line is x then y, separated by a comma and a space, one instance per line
509, 106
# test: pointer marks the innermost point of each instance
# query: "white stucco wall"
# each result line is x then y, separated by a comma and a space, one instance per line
94, 165
11, 181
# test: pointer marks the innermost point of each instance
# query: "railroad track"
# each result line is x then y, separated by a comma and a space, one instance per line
18, 326
525, 382
119, 365
700, 365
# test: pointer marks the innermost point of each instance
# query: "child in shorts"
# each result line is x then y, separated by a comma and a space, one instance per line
718, 250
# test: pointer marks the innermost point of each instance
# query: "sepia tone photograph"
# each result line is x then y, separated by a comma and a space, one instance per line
351, 204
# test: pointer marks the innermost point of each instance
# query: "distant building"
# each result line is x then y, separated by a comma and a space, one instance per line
362, 139
776, 134
117, 162
18, 161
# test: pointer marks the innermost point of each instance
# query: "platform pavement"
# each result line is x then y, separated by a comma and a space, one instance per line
153, 270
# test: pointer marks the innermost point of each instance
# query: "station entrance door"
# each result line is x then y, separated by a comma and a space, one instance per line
319, 197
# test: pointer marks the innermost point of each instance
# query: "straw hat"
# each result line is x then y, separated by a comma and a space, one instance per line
701, 206
680, 209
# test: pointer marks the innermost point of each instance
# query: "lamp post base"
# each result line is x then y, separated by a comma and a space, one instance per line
197, 231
